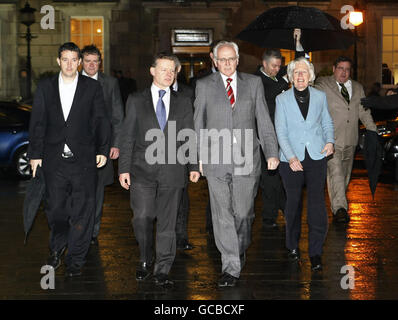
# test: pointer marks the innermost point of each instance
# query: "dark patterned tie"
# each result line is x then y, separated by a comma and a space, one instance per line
161, 110
344, 93
230, 93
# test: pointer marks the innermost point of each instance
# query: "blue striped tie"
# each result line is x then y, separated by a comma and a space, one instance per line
161, 110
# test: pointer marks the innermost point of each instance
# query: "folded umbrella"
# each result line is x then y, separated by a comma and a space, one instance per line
373, 154
34, 195
320, 31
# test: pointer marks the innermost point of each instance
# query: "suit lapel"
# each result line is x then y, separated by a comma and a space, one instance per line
57, 97
220, 87
150, 108
336, 89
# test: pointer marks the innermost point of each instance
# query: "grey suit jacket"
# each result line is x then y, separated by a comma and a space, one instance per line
345, 116
243, 128
115, 113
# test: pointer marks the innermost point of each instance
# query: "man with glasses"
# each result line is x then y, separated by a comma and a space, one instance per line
114, 110
344, 101
230, 113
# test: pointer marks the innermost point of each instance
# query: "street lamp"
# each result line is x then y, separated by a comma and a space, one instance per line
27, 18
356, 18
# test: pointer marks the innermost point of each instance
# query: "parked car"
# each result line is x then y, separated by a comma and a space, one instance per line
14, 124
388, 133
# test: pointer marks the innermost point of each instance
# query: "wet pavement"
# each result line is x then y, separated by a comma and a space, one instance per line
368, 245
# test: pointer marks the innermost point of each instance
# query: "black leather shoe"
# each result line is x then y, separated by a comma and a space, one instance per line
227, 280
54, 259
341, 216
184, 246
72, 272
94, 241
316, 263
143, 271
162, 279
294, 255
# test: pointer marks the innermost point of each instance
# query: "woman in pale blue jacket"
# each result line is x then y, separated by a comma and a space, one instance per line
306, 137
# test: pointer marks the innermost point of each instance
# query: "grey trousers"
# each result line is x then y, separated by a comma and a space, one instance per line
232, 209
338, 176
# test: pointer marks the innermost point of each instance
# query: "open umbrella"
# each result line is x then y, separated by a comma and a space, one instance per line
320, 31
373, 152
34, 195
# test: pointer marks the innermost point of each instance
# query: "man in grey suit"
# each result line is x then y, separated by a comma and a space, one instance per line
231, 116
114, 108
344, 101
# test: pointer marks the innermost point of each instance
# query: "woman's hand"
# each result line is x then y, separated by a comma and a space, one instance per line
295, 164
329, 149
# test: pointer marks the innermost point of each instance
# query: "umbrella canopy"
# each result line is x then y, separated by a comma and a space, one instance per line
373, 153
34, 195
320, 31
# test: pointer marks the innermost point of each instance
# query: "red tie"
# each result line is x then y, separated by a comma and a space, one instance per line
230, 92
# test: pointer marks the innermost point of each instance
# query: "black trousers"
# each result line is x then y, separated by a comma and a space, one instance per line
272, 193
314, 177
70, 207
182, 218
150, 202
100, 195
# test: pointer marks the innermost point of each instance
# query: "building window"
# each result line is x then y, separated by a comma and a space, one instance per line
390, 51
88, 30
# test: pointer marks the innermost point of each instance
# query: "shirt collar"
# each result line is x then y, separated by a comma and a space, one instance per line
94, 76
347, 84
154, 87
62, 82
233, 77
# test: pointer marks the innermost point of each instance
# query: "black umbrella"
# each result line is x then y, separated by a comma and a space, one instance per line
320, 31
384, 103
33, 198
373, 153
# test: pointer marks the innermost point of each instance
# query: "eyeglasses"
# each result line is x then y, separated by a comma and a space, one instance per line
230, 60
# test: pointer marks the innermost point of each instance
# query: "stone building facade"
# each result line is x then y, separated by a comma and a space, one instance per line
132, 30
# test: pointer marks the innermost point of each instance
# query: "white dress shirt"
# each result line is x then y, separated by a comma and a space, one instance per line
348, 85
166, 98
66, 94
95, 77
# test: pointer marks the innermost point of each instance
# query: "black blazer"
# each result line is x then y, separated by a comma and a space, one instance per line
115, 113
140, 118
271, 90
86, 131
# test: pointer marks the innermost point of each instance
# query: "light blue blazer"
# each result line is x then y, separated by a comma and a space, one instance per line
295, 134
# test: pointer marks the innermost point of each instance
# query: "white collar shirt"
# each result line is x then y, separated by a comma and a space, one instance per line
348, 85
233, 83
67, 93
166, 98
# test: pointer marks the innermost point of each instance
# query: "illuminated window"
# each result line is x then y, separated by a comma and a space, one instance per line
87, 30
390, 51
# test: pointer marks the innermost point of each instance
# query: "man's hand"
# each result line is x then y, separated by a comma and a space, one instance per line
272, 163
329, 149
114, 153
33, 164
194, 176
124, 179
297, 34
101, 160
295, 164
